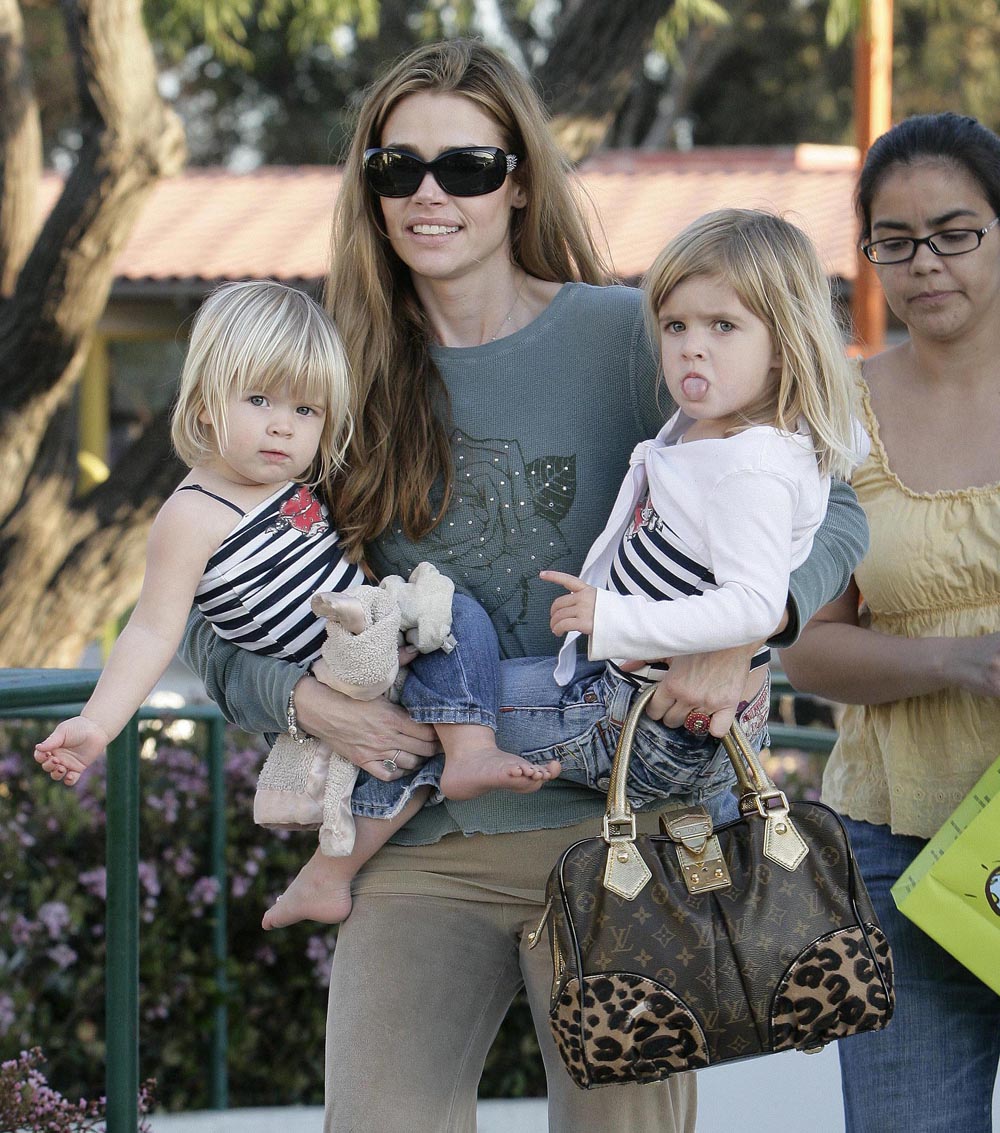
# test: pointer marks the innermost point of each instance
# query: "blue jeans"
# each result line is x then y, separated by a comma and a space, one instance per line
578, 724
934, 1067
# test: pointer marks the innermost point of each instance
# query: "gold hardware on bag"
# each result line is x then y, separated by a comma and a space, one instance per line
611, 825
625, 873
535, 935
705, 871
783, 844
699, 853
703, 867
558, 963
692, 827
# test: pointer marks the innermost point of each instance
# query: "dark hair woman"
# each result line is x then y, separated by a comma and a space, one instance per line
913, 647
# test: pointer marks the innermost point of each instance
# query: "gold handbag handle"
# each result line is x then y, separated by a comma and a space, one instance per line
618, 810
750, 773
758, 793
754, 781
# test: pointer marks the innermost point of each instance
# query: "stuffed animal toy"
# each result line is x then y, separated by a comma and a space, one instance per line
303, 783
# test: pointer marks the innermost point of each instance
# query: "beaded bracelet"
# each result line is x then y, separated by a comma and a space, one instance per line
292, 718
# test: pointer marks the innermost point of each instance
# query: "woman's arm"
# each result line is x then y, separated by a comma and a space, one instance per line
253, 691
714, 682
840, 544
837, 658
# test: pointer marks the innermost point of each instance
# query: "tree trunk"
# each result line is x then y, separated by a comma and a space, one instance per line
66, 565
20, 149
598, 47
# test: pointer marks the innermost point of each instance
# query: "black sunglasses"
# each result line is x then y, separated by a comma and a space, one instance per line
471, 171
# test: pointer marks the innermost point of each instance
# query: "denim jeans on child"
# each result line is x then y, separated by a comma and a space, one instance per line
577, 724
580, 724
933, 1069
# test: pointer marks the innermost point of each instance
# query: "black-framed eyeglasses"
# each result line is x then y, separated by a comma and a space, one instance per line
949, 242
471, 171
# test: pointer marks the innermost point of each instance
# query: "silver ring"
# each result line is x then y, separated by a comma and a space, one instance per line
390, 764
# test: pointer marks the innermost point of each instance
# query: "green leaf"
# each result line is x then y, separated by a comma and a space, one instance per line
552, 483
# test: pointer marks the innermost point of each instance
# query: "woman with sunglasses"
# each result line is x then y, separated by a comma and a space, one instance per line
500, 387
913, 647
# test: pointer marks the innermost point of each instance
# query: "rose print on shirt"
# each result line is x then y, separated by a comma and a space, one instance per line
641, 518
302, 512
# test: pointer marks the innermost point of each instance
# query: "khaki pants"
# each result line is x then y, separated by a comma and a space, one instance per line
425, 969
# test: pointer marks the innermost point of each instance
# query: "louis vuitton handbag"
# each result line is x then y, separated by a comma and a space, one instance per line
694, 947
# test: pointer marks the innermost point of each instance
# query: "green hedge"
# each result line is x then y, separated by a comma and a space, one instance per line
52, 928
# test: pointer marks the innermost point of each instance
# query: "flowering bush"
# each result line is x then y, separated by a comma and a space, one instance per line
52, 908
28, 1102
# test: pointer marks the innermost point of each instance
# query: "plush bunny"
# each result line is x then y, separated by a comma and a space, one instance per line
303, 783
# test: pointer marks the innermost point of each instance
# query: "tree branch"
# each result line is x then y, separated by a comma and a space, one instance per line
131, 138
587, 75
20, 148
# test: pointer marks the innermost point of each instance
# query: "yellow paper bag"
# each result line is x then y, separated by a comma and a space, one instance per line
952, 887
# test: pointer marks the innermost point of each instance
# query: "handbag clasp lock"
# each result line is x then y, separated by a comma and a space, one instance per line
699, 853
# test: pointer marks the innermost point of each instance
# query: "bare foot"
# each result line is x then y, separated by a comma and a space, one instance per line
320, 892
468, 774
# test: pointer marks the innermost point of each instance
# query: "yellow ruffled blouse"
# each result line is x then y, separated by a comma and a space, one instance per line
933, 570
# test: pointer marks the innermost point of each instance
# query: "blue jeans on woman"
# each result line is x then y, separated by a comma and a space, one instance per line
934, 1067
578, 724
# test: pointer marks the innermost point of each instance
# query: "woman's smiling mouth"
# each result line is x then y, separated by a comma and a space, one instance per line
433, 229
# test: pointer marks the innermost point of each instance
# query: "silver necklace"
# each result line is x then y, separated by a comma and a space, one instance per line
510, 313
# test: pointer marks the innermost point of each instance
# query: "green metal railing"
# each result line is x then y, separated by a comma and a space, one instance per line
56, 693
820, 740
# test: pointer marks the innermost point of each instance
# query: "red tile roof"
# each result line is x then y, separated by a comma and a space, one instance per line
645, 198
210, 224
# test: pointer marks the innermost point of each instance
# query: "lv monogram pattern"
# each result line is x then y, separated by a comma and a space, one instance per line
672, 981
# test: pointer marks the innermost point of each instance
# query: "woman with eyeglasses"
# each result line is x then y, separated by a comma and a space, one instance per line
500, 386
913, 647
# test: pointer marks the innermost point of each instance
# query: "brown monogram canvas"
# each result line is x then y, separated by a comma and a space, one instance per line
672, 981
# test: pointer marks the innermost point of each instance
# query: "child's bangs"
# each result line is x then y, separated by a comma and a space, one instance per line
303, 372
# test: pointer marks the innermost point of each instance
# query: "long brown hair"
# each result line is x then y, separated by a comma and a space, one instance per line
400, 448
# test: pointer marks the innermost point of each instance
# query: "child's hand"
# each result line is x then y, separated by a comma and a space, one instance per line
574, 610
71, 749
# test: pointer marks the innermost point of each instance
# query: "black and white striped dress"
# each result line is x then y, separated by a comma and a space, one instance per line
256, 588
